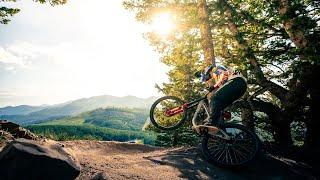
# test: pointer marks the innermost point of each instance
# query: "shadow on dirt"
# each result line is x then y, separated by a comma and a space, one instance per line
192, 166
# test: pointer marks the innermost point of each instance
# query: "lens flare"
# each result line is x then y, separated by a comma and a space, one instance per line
163, 24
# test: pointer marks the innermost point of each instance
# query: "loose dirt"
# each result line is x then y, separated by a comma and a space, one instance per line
116, 160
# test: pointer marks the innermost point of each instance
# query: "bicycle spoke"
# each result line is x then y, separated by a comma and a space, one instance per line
235, 156
216, 149
221, 154
226, 156
244, 150
241, 154
228, 150
213, 147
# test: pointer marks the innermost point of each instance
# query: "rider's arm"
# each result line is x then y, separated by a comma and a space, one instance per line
213, 80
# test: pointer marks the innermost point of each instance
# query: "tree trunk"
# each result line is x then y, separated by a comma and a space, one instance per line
313, 125
247, 118
280, 125
295, 34
247, 113
282, 134
205, 31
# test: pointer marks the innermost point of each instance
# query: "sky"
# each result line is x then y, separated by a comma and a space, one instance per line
50, 55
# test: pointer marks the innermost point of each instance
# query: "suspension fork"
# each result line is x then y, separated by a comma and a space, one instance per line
176, 110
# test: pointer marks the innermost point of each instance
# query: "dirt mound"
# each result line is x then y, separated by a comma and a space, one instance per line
117, 160
108, 148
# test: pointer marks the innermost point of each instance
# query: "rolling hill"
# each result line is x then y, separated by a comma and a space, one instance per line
120, 124
34, 115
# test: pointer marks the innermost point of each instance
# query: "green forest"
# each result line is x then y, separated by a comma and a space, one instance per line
109, 124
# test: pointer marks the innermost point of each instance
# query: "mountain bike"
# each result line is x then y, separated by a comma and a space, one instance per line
226, 144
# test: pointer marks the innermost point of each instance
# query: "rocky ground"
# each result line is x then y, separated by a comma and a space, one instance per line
115, 160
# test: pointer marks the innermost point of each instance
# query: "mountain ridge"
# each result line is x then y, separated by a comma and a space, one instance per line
72, 108
20, 109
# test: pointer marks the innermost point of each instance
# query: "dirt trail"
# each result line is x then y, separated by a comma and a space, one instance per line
134, 161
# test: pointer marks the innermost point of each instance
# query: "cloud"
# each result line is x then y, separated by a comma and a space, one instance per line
22, 54
8, 57
6, 93
19, 54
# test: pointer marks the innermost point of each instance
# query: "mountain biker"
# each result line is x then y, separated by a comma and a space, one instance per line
227, 85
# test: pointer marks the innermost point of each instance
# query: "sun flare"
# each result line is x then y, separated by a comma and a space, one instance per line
163, 24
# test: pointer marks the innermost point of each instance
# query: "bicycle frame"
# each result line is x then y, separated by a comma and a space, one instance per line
212, 130
201, 104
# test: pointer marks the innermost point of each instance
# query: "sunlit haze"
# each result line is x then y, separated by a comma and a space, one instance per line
162, 23
85, 48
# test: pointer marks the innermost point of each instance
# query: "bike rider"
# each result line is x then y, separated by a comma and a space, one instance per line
228, 86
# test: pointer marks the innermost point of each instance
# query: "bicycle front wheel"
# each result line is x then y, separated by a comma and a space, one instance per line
168, 113
240, 149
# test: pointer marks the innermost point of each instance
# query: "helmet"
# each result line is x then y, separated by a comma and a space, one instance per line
206, 74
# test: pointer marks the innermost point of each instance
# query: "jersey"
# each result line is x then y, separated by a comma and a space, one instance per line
222, 73
225, 74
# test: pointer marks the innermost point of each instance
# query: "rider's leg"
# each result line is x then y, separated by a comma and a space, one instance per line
225, 96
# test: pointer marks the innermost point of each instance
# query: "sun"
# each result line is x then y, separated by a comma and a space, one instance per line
163, 24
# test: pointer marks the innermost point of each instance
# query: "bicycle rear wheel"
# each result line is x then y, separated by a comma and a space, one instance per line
240, 149
168, 113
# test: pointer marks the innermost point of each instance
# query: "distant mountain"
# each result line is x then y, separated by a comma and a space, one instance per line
20, 110
87, 104
75, 107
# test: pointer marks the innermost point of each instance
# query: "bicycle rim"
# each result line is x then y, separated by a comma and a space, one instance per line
160, 113
242, 147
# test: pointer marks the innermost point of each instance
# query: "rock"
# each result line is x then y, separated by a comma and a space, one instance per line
28, 159
16, 130
5, 137
6, 125
100, 176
